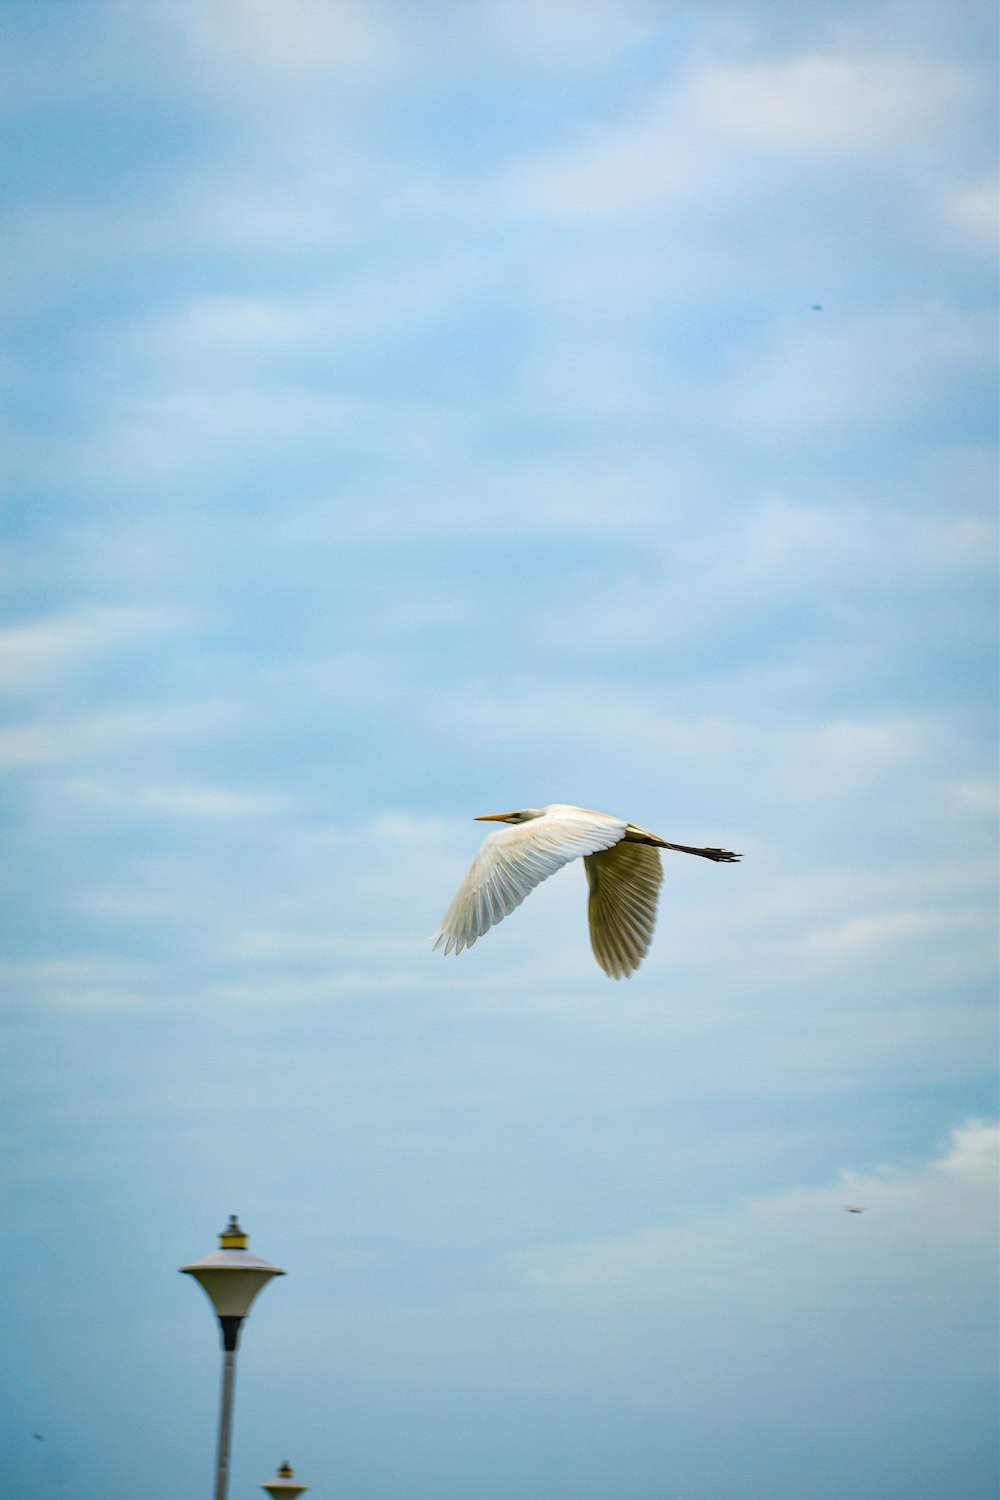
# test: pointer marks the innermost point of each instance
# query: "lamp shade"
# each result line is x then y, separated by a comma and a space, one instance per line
284, 1485
232, 1277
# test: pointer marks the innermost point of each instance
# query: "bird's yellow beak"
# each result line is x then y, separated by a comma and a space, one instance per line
493, 818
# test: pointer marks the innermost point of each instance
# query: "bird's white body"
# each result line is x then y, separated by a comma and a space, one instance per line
623, 872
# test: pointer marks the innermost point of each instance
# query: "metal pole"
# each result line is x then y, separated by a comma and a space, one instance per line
225, 1424
229, 1327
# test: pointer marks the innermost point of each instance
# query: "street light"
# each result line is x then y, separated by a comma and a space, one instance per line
231, 1279
284, 1485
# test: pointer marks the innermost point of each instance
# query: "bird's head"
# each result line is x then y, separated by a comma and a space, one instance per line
523, 816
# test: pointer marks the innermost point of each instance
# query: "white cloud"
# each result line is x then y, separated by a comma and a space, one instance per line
972, 212
249, 339
797, 1240
822, 104
977, 799
205, 330
710, 135
883, 367
770, 556
195, 802
34, 652
192, 434
299, 39
561, 31
856, 938
722, 1332
27, 745
116, 733
95, 983
814, 761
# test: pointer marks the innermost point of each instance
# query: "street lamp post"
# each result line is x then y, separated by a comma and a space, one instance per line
284, 1485
231, 1279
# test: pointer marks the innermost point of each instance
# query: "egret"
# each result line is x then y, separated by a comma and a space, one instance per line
622, 862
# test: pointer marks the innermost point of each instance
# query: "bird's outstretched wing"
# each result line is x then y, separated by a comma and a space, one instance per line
512, 862
624, 885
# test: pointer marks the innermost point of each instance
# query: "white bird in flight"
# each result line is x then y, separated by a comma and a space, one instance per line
622, 863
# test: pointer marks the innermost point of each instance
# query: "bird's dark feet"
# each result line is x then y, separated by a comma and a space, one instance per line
718, 854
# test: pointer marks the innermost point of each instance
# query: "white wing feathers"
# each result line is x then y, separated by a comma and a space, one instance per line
624, 886
513, 861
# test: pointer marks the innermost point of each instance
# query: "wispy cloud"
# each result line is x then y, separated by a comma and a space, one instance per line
797, 1239
171, 801
33, 653
96, 983
714, 132
247, 41
116, 733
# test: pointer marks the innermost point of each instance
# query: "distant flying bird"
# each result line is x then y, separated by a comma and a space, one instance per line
38, 1437
623, 872
850, 1209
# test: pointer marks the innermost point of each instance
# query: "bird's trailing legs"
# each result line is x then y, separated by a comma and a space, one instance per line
636, 835
718, 854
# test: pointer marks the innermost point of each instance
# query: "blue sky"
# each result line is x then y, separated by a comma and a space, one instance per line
414, 412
